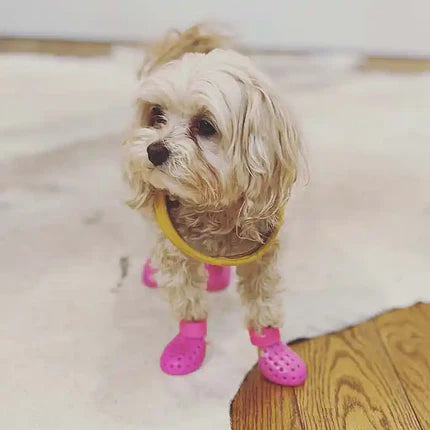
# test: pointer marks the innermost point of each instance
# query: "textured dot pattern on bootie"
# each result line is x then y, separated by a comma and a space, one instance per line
183, 355
281, 365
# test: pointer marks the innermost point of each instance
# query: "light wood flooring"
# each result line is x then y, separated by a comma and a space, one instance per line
375, 376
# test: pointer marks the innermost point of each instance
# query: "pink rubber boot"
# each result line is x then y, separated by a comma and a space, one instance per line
186, 352
278, 362
219, 276
148, 275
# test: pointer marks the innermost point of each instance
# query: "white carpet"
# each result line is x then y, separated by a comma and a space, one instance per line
48, 101
79, 345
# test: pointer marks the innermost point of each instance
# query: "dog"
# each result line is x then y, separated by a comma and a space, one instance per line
214, 140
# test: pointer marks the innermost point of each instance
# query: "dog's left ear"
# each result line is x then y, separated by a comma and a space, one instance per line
270, 148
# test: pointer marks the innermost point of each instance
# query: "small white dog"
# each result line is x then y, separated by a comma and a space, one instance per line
213, 139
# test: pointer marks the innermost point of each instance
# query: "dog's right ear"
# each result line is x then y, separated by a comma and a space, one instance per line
133, 158
143, 195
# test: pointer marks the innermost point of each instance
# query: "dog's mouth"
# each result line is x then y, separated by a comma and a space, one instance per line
162, 181
157, 177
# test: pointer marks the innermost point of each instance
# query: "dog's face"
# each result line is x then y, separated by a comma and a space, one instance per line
210, 132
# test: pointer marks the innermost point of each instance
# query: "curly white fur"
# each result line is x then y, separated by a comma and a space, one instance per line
231, 185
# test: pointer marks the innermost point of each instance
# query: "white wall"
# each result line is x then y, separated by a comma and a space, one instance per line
399, 27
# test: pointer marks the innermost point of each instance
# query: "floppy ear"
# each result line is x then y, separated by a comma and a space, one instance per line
133, 156
143, 192
270, 147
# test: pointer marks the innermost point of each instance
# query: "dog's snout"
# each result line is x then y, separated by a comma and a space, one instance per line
157, 153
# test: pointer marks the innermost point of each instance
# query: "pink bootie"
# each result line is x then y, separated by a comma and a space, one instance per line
186, 352
148, 275
278, 362
219, 276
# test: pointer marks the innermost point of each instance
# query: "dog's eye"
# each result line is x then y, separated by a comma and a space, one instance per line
204, 128
157, 116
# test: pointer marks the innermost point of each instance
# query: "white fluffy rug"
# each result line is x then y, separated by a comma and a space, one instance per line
81, 337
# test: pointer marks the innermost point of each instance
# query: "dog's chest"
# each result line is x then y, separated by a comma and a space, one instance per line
212, 233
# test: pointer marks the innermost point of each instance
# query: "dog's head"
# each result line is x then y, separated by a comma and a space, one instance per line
211, 133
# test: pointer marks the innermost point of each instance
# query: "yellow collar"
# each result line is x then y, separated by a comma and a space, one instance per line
163, 219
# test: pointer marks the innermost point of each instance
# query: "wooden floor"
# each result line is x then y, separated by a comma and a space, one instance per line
90, 49
375, 376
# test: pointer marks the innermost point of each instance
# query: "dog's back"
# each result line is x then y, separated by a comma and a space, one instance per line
199, 38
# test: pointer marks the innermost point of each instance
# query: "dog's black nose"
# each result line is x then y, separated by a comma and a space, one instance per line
157, 153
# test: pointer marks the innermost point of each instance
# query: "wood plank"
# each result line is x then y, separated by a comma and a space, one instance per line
260, 405
55, 47
425, 309
84, 48
396, 65
406, 335
352, 384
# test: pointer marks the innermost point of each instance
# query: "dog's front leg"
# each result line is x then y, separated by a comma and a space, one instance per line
260, 294
259, 291
184, 282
